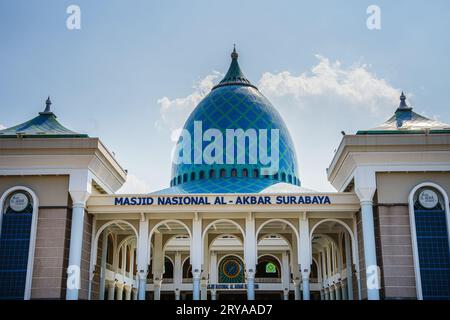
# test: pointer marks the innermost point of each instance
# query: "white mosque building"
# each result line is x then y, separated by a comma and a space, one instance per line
227, 229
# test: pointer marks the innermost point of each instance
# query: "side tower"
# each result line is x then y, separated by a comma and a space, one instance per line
47, 172
400, 171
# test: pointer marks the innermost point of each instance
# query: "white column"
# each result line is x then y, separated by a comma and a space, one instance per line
332, 295
327, 293
157, 282
295, 269
127, 293
339, 265
132, 257
203, 289
119, 291
111, 290
305, 254
365, 186
134, 293
348, 266
124, 260
177, 275
250, 255
157, 264
196, 255
325, 275
103, 264
337, 290
213, 273
142, 256
344, 290
79, 198
286, 277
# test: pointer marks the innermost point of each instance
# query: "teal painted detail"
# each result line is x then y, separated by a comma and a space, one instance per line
231, 270
44, 125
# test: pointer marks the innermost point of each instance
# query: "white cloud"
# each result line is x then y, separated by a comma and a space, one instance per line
175, 111
134, 185
355, 86
2, 127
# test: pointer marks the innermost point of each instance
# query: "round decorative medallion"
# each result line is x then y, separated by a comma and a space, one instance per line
232, 268
18, 201
428, 199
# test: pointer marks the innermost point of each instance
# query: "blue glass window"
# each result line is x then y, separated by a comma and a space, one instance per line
14, 247
433, 248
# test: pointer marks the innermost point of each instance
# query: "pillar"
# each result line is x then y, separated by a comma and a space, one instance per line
177, 275
337, 290
295, 267
103, 265
134, 294
157, 288
305, 254
157, 265
203, 289
142, 256
79, 198
111, 290
365, 186
250, 255
297, 291
196, 255
286, 277
127, 292
327, 293
348, 266
332, 293
344, 290
119, 291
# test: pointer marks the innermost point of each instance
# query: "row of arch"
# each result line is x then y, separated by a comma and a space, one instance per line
262, 270
35, 206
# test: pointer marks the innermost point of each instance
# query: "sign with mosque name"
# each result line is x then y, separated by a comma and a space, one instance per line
187, 200
229, 286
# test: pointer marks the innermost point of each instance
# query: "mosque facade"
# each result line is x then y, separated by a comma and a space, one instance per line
235, 222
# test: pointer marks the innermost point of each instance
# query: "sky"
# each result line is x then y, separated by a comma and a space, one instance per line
135, 69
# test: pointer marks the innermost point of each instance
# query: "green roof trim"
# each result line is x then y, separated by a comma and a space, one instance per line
367, 132
44, 125
406, 121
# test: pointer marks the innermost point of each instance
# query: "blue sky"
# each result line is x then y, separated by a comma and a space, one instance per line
136, 69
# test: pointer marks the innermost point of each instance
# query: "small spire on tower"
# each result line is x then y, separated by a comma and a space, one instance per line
403, 105
234, 54
47, 110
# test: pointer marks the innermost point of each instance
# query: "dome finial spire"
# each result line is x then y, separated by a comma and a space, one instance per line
403, 105
47, 110
234, 54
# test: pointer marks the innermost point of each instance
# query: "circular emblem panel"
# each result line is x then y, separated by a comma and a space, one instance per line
428, 199
18, 201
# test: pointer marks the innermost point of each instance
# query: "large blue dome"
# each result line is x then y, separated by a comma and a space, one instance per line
235, 104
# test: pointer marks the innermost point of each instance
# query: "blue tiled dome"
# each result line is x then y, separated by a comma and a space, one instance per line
232, 104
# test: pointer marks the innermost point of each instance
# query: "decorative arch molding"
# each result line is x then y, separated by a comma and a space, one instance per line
278, 235
289, 223
350, 232
225, 234
106, 225
270, 255
160, 223
223, 220
236, 255
412, 222
32, 242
